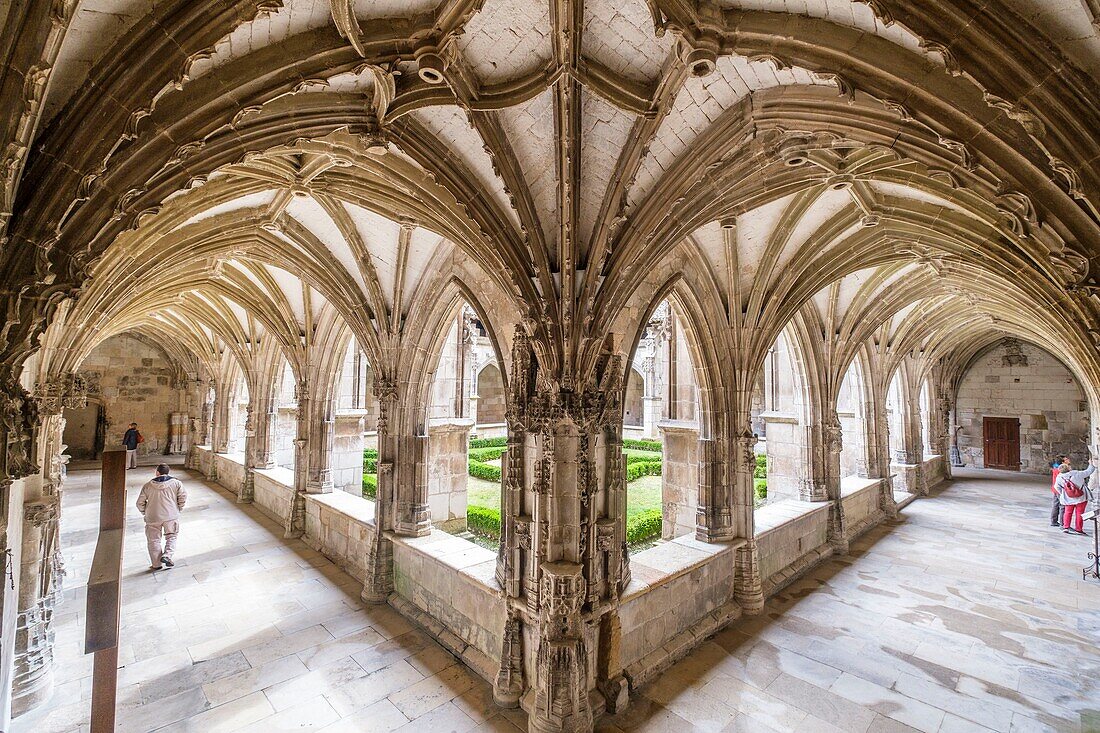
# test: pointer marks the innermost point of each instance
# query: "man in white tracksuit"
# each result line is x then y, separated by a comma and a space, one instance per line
160, 501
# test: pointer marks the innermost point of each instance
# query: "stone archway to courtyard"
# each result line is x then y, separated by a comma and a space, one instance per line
576, 339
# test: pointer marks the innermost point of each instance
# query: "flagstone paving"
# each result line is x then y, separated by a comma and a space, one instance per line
969, 615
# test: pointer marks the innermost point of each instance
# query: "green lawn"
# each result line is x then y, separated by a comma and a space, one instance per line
645, 493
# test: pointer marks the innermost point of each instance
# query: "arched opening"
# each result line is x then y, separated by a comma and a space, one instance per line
851, 410
785, 416
895, 417
85, 429
239, 423
466, 436
1015, 381
287, 416
926, 420
661, 432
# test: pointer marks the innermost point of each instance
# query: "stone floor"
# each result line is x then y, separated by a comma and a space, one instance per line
967, 616
970, 615
250, 632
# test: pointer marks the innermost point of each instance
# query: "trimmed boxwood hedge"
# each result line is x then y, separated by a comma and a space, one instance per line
484, 455
650, 445
483, 521
643, 526
761, 470
760, 486
635, 471
488, 442
370, 485
485, 471
370, 460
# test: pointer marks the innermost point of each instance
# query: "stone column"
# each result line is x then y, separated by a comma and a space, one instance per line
378, 583
295, 521
832, 445
562, 559
748, 588
879, 456
322, 437
259, 442
41, 567
651, 399
679, 477
942, 423
221, 420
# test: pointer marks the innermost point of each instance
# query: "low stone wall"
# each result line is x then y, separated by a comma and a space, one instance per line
341, 527
934, 471
906, 477
680, 592
791, 539
861, 499
202, 460
273, 492
230, 468
448, 585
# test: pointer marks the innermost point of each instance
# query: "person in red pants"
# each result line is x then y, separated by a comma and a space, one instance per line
1072, 494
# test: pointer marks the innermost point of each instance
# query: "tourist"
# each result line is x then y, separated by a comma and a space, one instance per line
1056, 504
131, 440
160, 501
1073, 495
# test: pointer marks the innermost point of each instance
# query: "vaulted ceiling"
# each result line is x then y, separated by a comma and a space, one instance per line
904, 172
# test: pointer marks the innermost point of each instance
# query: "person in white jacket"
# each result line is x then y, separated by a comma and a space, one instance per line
1072, 495
161, 501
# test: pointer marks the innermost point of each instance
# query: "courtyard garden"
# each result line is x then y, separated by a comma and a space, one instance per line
643, 495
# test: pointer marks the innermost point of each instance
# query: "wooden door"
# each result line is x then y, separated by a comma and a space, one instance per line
1002, 442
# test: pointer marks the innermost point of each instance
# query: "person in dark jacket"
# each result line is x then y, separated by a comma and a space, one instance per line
131, 440
1056, 504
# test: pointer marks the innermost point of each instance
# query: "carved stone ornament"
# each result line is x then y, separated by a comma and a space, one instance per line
746, 450
40, 512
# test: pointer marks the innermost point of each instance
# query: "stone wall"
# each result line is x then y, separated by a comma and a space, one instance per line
491, 397
273, 492
230, 468
680, 592
347, 452
861, 501
679, 477
134, 381
448, 471
785, 455
1017, 379
341, 528
791, 537
448, 585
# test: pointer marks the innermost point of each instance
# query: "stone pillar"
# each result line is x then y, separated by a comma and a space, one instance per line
39, 593
295, 521
322, 437
942, 426
652, 404
259, 442
41, 567
748, 588
221, 420
378, 583
563, 559
832, 445
879, 456
448, 471
680, 477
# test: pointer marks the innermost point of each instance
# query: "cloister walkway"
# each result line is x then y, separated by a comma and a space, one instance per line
967, 616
